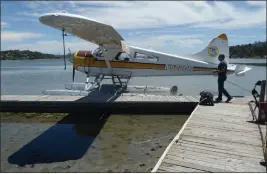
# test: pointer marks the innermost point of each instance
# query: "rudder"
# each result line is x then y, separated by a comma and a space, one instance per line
217, 46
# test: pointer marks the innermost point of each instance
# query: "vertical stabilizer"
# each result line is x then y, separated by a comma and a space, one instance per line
218, 45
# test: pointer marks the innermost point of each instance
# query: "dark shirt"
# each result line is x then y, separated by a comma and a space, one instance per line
222, 66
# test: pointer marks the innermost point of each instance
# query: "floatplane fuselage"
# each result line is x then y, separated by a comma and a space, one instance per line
115, 58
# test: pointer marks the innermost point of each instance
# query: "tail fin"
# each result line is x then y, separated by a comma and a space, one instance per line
218, 45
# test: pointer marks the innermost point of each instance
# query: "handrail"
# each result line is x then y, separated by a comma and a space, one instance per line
264, 140
261, 118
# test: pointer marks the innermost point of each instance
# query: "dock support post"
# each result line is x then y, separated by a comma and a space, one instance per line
262, 114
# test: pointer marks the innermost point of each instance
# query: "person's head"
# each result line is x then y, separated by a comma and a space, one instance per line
221, 57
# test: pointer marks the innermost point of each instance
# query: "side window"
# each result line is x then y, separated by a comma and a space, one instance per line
153, 58
143, 56
140, 55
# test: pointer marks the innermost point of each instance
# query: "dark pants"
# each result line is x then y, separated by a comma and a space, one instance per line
221, 81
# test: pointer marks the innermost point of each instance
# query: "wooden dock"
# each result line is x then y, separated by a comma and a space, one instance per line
125, 97
126, 103
216, 138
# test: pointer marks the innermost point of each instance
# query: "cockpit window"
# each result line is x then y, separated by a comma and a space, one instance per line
98, 53
122, 56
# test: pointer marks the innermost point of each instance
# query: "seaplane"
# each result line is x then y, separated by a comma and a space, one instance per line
120, 62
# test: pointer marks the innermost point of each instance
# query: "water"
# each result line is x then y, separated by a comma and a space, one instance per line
260, 61
31, 77
123, 143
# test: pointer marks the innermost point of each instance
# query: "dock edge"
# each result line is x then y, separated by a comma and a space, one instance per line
174, 139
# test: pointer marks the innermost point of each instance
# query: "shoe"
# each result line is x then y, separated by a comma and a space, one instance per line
229, 99
218, 100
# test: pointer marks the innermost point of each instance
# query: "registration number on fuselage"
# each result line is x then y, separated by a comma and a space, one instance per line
179, 68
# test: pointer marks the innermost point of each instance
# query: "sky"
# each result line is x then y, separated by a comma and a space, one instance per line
176, 27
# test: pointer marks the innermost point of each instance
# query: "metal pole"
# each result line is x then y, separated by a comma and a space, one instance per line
63, 34
261, 114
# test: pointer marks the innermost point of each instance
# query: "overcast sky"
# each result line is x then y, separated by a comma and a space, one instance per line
174, 27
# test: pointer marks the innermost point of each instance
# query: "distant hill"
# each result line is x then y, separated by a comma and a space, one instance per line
255, 50
26, 55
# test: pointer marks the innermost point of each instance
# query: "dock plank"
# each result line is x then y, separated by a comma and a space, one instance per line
195, 165
166, 167
220, 149
218, 145
228, 165
220, 125
216, 138
224, 135
191, 149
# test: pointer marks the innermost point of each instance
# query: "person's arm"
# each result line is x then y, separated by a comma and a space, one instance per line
221, 68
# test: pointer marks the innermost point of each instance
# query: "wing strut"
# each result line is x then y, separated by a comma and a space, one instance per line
63, 36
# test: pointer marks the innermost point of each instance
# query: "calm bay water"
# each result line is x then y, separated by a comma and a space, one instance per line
31, 77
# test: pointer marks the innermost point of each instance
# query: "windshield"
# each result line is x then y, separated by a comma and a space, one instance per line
98, 53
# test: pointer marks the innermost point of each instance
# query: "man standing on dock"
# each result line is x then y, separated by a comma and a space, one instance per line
222, 70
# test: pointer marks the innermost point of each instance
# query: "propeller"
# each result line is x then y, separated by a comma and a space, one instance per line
73, 69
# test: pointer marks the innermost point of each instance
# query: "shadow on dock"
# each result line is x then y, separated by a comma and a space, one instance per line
68, 139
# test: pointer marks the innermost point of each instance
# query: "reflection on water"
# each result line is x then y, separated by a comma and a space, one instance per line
121, 143
59, 143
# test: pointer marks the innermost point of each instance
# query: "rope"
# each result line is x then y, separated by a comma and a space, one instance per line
239, 86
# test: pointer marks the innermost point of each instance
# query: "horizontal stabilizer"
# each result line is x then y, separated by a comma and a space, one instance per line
241, 69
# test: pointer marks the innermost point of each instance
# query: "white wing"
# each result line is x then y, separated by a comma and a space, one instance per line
84, 28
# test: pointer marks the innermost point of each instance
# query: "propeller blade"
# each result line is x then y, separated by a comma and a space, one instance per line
73, 74
70, 58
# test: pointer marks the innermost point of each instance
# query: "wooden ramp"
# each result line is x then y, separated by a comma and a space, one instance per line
216, 139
